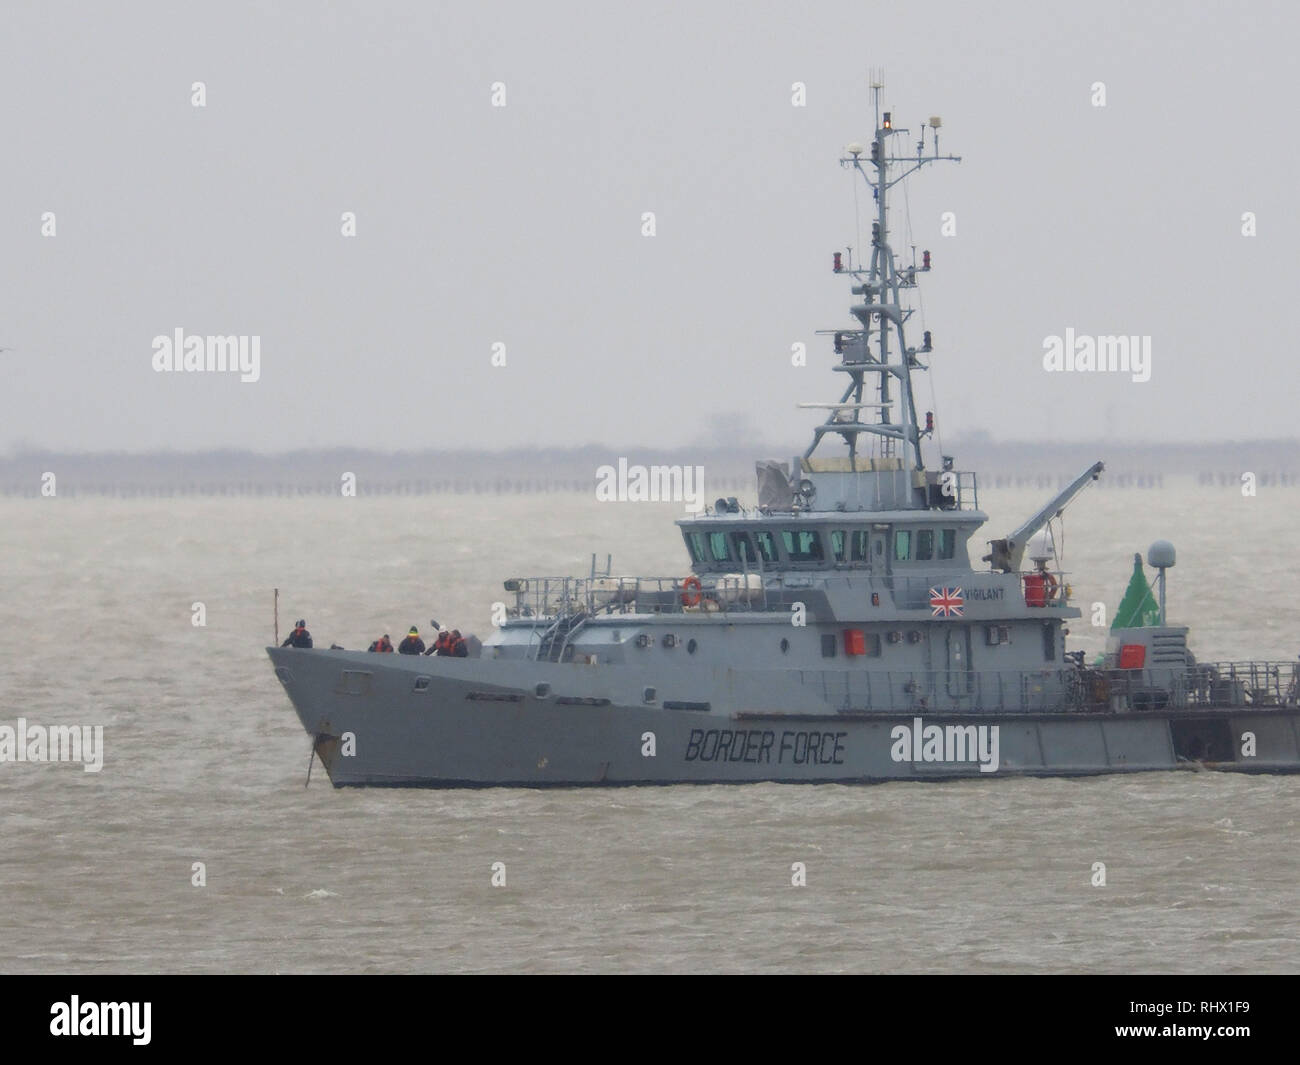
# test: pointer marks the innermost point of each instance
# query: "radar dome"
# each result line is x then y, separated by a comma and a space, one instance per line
1039, 547
1161, 554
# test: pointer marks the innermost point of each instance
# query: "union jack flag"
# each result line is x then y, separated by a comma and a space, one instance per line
946, 602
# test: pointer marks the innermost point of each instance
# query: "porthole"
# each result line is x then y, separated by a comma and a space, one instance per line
691, 647
785, 645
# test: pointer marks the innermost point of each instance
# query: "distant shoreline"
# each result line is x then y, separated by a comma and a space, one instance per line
728, 470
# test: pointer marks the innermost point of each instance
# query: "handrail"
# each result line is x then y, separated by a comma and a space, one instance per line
546, 598
1063, 690
748, 591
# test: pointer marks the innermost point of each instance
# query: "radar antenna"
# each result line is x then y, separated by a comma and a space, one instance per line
867, 350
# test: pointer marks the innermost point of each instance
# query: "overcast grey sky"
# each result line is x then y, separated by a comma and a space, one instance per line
522, 224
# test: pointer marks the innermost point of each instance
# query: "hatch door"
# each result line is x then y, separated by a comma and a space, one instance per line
959, 678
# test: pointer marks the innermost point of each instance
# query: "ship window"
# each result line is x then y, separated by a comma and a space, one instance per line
828, 645
924, 545
744, 549
695, 544
802, 545
858, 545
902, 545
766, 545
947, 543
718, 546
837, 544
1049, 643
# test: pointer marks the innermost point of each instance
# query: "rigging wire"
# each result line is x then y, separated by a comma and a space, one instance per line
920, 312
857, 215
1057, 535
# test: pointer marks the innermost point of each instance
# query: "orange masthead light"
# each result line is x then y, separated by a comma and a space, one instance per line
888, 122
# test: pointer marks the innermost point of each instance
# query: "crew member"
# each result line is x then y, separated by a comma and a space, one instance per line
383, 645
300, 637
433, 645
459, 648
412, 645
442, 645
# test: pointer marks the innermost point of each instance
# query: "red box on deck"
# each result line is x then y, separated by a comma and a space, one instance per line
1132, 656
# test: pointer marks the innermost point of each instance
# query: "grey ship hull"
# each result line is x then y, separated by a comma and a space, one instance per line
439, 722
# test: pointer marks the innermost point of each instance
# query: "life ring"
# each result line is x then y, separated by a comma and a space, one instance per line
691, 592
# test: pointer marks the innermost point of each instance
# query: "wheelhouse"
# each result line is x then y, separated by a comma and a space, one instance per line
877, 542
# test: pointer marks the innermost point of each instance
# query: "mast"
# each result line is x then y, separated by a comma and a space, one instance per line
867, 350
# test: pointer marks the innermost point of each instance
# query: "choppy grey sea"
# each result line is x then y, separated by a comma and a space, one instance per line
204, 762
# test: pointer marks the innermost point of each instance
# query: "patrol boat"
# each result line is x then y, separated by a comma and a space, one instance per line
836, 630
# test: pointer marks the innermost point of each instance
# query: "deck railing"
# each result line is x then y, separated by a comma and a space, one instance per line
1251, 683
544, 597
540, 597
1256, 684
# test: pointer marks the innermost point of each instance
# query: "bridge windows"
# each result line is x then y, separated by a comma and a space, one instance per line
766, 545
718, 547
708, 547
851, 545
837, 544
947, 543
743, 548
695, 545
858, 549
902, 545
924, 545
725, 548
802, 545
